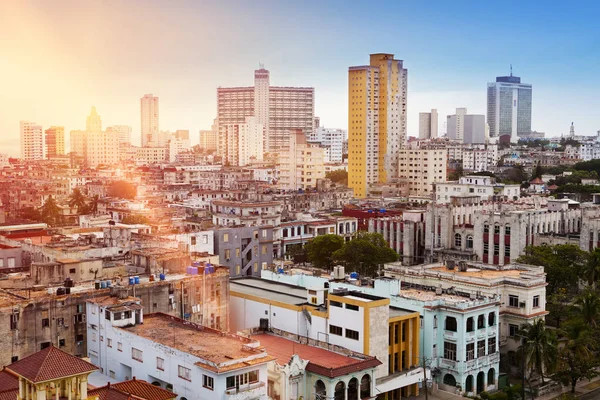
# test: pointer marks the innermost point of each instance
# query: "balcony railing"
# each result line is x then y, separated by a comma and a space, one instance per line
247, 391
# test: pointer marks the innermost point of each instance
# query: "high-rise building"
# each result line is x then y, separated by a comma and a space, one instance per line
242, 143
55, 141
302, 164
32, 141
149, 117
176, 146
466, 128
376, 121
278, 109
124, 132
182, 134
508, 108
428, 124
421, 168
93, 122
209, 140
332, 140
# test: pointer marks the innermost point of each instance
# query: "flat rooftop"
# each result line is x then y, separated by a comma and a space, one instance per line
219, 351
400, 312
319, 360
425, 295
479, 273
267, 289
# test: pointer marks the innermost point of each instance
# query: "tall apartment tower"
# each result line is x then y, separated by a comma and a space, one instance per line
280, 109
55, 141
32, 141
428, 124
508, 108
376, 121
149, 118
124, 132
93, 122
466, 128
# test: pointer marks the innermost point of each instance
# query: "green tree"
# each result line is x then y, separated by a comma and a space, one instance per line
297, 252
540, 348
122, 189
537, 171
559, 306
590, 271
576, 359
561, 263
587, 305
365, 253
338, 176
77, 200
133, 219
457, 173
50, 211
31, 214
93, 205
320, 250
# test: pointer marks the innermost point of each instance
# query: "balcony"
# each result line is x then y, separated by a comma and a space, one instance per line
252, 391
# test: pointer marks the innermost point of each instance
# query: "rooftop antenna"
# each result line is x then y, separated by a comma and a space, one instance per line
510, 69
261, 65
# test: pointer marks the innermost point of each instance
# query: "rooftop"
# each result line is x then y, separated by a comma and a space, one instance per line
320, 361
138, 388
478, 273
399, 312
276, 291
219, 351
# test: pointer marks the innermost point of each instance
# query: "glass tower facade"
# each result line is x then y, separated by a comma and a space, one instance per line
508, 108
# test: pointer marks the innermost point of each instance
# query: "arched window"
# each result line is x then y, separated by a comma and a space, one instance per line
353, 389
451, 324
469, 242
491, 377
507, 230
496, 228
480, 382
339, 391
469, 384
434, 321
486, 227
470, 324
457, 240
491, 319
320, 390
449, 380
365, 386
481, 321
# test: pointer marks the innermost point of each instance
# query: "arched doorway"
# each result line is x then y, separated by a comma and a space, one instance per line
353, 389
339, 392
365, 386
469, 384
449, 380
491, 378
320, 390
480, 382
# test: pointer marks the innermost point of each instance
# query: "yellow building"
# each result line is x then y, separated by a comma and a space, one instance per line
55, 141
376, 121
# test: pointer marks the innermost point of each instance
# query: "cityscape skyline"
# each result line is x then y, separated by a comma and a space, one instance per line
187, 81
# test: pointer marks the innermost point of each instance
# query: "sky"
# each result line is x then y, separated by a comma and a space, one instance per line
59, 58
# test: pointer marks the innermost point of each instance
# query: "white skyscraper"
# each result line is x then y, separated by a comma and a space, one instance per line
278, 109
97, 147
332, 140
509, 108
428, 124
32, 141
149, 117
124, 132
242, 143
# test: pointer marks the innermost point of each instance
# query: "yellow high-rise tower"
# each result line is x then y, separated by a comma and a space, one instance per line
376, 121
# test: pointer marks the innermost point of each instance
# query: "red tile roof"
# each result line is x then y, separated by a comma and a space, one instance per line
50, 363
134, 388
9, 386
320, 361
536, 181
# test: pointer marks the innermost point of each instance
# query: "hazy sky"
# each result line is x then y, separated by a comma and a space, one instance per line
58, 58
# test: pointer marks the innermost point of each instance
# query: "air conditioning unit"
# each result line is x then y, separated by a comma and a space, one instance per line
522, 304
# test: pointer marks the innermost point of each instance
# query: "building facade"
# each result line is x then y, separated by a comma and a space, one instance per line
332, 140
246, 251
32, 141
301, 165
509, 108
149, 119
428, 125
376, 121
124, 132
55, 141
420, 169
241, 144
466, 128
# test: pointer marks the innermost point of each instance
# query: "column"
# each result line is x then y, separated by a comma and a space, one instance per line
57, 387
83, 388
69, 388
21, 389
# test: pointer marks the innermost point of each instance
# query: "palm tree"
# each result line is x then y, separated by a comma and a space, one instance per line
77, 200
93, 206
588, 305
540, 347
50, 211
590, 271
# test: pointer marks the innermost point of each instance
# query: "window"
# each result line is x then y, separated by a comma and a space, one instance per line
496, 229
242, 379
470, 324
335, 303
264, 249
61, 342
111, 373
491, 345
351, 307
491, 319
536, 301
109, 342
11, 262
14, 319
226, 237
208, 382
350, 334
457, 240
451, 324
137, 354
469, 242
507, 250
160, 363
44, 345
507, 230
193, 240
264, 234
72, 270
486, 228
14, 359
513, 301
481, 348
204, 239
496, 249
184, 373
513, 330
227, 254
45, 322
481, 322
237, 251
486, 248
470, 351
450, 351
335, 330
119, 346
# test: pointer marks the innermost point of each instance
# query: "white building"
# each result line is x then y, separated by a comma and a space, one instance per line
209, 139
240, 144
466, 128
176, 146
428, 124
193, 361
149, 119
302, 164
509, 108
94, 145
4, 160
485, 187
150, 155
419, 169
278, 109
332, 140
234, 213
32, 141
124, 132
